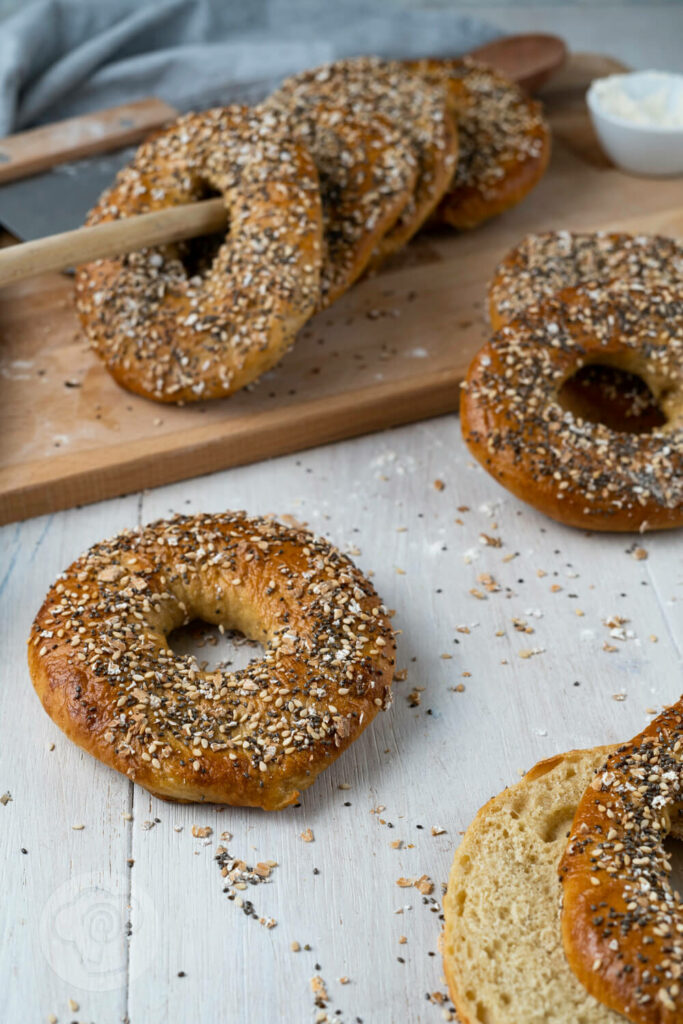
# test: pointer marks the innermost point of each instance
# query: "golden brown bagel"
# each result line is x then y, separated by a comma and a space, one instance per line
502, 943
103, 669
504, 142
544, 264
367, 171
179, 338
622, 924
365, 88
579, 472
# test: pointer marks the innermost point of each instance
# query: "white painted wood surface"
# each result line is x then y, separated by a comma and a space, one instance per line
430, 765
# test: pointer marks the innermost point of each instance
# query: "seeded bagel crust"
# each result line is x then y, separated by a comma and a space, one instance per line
579, 472
504, 141
542, 265
103, 669
174, 337
622, 921
366, 164
416, 111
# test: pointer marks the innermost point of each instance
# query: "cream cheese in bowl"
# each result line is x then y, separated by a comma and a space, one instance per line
638, 118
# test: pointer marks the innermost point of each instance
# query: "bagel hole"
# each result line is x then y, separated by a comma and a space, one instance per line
213, 649
605, 394
197, 254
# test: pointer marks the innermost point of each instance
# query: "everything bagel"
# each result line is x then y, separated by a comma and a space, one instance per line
622, 923
367, 169
579, 472
178, 337
365, 88
544, 264
103, 669
504, 142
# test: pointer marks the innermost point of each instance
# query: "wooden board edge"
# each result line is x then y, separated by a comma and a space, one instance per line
321, 422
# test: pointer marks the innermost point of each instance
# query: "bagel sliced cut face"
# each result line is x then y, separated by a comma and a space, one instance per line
102, 666
502, 944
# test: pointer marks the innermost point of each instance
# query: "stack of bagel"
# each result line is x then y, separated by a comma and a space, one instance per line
335, 171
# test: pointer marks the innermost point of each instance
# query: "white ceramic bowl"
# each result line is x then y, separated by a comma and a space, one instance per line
627, 124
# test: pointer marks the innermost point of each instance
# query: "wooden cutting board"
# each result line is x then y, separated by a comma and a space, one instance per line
393, 350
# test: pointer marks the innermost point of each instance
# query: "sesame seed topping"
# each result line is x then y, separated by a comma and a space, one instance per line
542, 265
578, 471
176, 334
616, 847
256, 736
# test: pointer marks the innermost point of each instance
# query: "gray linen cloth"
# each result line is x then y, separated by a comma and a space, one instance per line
59, 58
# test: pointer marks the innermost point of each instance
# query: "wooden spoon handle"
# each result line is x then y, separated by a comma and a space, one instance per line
112, 238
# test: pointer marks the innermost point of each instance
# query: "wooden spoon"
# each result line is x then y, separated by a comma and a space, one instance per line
527, 59
112, 238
